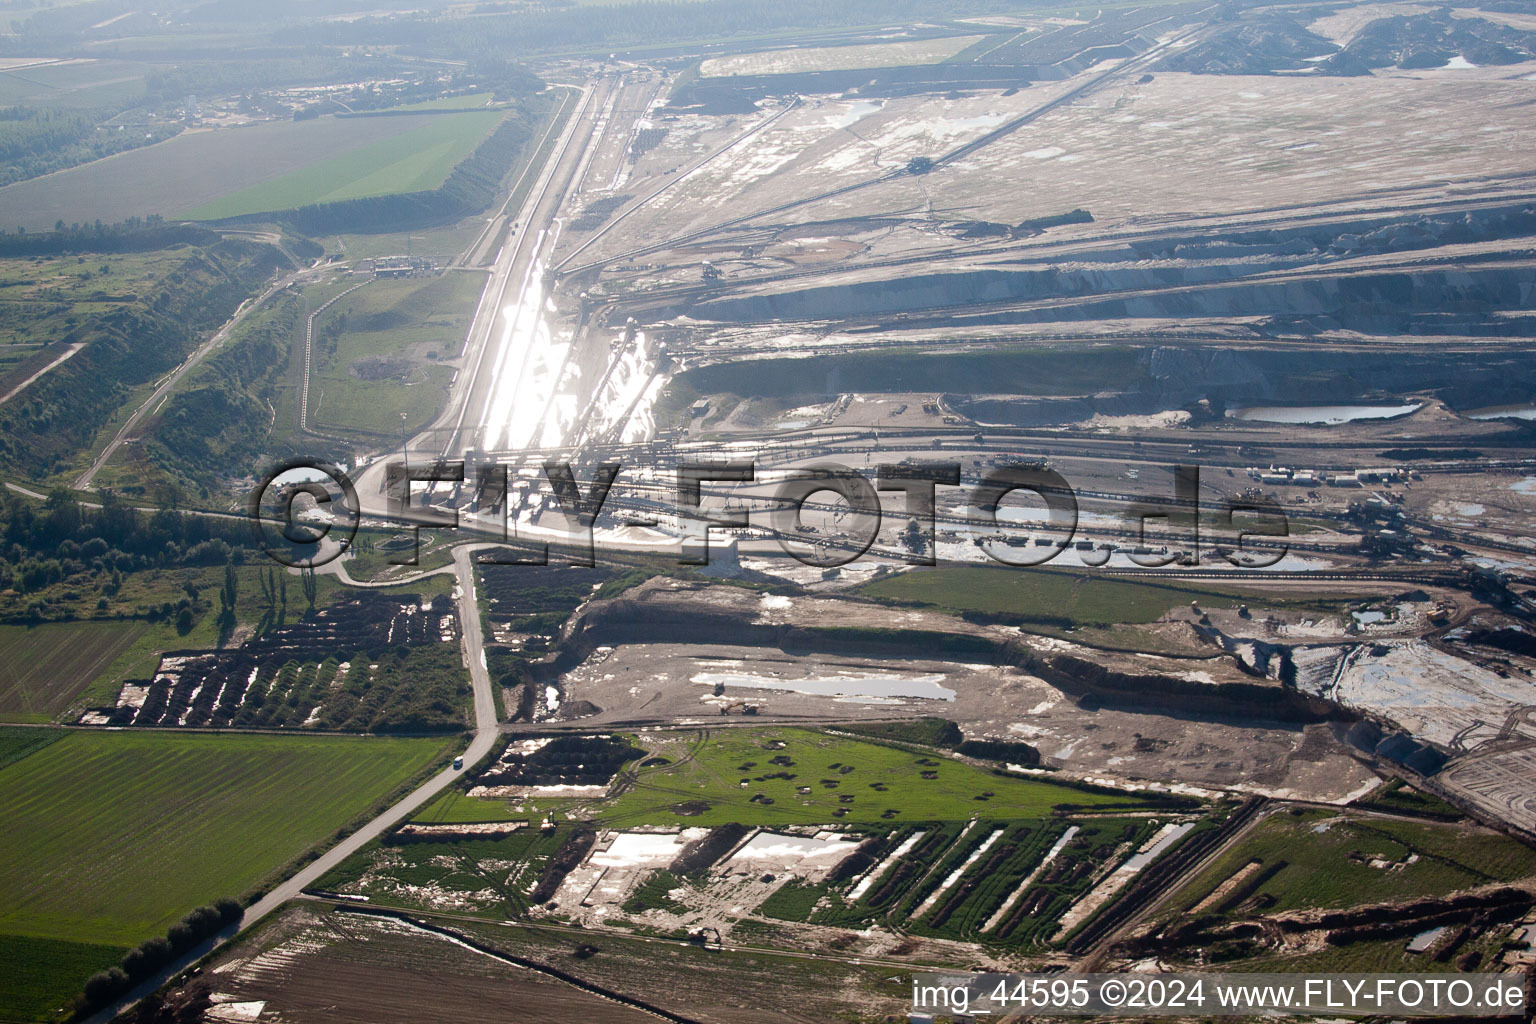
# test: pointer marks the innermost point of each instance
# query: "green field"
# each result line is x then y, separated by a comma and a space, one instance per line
44, 975
43, 668
1309, 862
414, 160
456, 808
861, 782
74, 84
111, 837
16, 744
269, 166
378, 352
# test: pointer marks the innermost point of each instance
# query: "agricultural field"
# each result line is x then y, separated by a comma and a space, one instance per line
1319, 859
372, 664
268, 166
398, 971
206, 816
16, 744
447, 242
43, 976
800, 60
152, 597
43, 668
378, 353
415, 159
72, 84
796, 776
1004, 883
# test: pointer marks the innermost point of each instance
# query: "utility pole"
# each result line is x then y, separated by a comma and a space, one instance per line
405, 453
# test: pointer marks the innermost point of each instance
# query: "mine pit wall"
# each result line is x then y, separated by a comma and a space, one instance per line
1234, 256
1089, 681
1141, 380
626, 620
1429, 301
728, 92
1466, 803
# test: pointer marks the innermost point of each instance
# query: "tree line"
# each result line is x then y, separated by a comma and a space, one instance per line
132, 235
62, 538
149, 957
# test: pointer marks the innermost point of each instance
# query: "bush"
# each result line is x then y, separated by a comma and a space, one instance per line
1001, 750
147, 958
181, 936
204, 921
104, 986
230, 911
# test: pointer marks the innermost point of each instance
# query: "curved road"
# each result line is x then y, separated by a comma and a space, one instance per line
484, 736
479, 746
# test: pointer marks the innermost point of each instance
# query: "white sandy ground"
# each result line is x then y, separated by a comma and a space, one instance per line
776, 848
622, 861
853, 686
954, 876
890, 860
1436, 696
1161, 840
836, 58
1029, 879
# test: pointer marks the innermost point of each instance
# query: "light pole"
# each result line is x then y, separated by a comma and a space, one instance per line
405, 454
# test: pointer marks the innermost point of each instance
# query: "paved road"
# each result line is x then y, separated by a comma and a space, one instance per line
485, 733
484, 737
543, 201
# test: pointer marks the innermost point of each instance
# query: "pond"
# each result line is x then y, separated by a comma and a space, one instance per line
1326, 415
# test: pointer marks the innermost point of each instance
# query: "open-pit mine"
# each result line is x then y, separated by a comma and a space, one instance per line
1186, 352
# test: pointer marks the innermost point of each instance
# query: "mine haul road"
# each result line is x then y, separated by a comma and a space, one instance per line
169, 382
513, 267
511, 275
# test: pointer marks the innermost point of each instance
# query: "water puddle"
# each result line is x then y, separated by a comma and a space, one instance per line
1327, 415
876, 687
